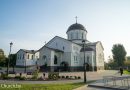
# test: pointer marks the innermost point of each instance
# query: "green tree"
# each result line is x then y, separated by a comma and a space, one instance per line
12, 60
2, 58
119, 54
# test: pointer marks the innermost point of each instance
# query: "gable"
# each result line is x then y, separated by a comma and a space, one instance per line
99, 44
60, 44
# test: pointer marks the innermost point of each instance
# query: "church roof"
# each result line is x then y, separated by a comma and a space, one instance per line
86, 49
76, 26
58, 50
28, 51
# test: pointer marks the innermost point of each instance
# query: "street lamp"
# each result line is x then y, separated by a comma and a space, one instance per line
9, 58
25, 63
25, 66
84, 61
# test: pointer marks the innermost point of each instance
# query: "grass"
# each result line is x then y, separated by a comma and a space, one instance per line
68, 86
126, 72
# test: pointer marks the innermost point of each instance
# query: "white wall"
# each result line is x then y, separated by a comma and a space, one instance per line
25, 61
77, 34
99, 55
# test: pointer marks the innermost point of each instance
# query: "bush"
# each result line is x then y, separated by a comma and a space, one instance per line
17, 77
22, 78
5, 76
35, 74
53, 75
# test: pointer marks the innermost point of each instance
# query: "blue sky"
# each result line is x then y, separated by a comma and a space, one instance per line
29, 23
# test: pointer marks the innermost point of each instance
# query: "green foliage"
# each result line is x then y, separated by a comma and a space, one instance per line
35, 74
111, 65
20, 78
53, 75
4, 76
2, 60
17, 77
13, 59
119, 54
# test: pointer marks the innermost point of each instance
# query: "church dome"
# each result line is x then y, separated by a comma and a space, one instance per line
76, 26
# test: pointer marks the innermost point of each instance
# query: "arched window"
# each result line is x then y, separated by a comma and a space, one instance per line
82, 35
72, 36
44, 58
23, 56
77, 35
55, 59
87, 59
17, 56
32, 56
28, 56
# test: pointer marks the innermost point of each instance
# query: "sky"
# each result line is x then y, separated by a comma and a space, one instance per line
31, 23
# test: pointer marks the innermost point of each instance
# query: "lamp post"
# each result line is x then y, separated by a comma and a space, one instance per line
25, 63
84, 61
9, 59
25, 66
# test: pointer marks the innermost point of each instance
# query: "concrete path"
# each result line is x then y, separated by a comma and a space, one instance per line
90, 76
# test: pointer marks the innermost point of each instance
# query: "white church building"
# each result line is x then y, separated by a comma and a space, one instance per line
61, 54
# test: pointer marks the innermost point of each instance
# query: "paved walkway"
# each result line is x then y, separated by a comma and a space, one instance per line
99, 85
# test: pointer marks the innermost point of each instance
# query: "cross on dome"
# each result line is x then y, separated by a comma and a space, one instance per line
76, 18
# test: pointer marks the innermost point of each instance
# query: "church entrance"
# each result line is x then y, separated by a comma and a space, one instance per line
64, 66
87, 67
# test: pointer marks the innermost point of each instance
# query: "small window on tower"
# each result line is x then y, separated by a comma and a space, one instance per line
82, 35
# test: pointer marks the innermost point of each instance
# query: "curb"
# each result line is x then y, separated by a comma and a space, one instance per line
82, 87
107, 87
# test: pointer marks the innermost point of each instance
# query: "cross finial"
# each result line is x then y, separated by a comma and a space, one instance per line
76, 18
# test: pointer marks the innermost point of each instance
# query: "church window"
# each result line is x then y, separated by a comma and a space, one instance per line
28, 56
17, 56
55, 59
63, 47
88, 59
23, 56
77, 35
44, 58
72, 36
32, 56
74, 58
82, 35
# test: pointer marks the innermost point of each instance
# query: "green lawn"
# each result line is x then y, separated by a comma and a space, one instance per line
126, 72
69, 86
